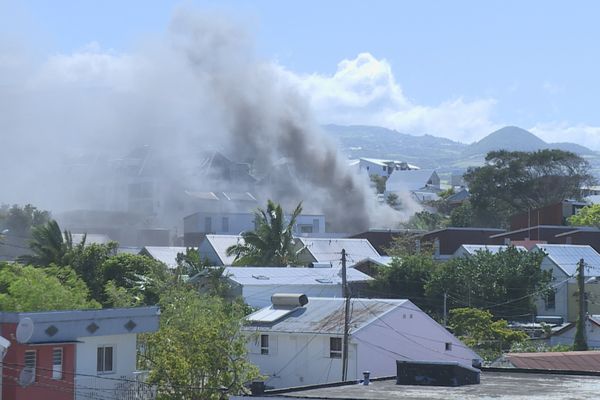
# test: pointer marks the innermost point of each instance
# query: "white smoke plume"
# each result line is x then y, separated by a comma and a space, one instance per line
199, 87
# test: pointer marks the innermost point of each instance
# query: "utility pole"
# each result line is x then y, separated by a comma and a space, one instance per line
580, 342
346, 294
445, 310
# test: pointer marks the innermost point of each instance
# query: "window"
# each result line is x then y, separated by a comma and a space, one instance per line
31, 361
335, 347
550, 300
448, 346
306, 229
208, 224
57, 362
105, 359
225, 224
264, 344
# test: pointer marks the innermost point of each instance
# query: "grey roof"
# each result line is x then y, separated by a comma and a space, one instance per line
330, 249
471, 249
220, 243
409, 180
494, 385
458, 196
383, 261
291, 276
325, 315
566, 257
531, 228
69, 325
91, 238
579, 229
165, 254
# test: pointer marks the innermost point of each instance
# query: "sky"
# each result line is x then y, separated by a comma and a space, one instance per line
458, 69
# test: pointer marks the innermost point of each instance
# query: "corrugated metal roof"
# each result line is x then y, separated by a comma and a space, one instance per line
292, 276
220, 243
165, 254
408, 180
567, 256
567, 361
383, 261
326, 315
473, 248
330, 249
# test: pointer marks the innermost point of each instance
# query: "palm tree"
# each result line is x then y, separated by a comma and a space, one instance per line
50, 246
271, 243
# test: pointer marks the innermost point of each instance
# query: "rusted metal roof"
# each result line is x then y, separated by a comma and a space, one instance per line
565, 361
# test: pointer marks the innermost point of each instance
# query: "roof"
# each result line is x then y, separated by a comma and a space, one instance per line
494, 385
562, 361
466, 229
384, 162
330, 249
91, 238
567, 256
531, 228
325, 315
382, 261
459, 196
471, 249
68, 325
408, 180
267, 276
220, 244
579, 229
165, 254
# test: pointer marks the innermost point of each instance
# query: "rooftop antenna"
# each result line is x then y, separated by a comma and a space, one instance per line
24, 330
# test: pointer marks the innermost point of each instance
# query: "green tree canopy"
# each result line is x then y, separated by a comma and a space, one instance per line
50, 246
426, 221
199, 347
587, 216
26, 288
20, 220
477, 329
272, 243
506, 282
512, 181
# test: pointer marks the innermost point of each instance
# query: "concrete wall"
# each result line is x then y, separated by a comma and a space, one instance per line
124, 361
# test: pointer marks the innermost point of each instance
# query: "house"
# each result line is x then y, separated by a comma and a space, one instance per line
200, 224
370, 265
562, 260
329, 250
214, 248
566, 335
384, 168
537, 233
165, 254
423, 184
256, 285
553, 214
467, 250
298, 340
580, 235
446, 241
73, 354
458, 198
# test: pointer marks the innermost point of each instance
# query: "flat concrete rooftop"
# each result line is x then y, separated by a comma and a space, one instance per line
494, 385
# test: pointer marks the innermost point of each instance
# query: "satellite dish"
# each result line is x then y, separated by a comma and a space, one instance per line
24, 330
26, 377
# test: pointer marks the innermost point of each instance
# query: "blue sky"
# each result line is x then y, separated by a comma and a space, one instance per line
453, 68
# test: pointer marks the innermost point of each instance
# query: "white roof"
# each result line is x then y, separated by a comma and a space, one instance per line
220, 244
91, 238
567, 256
266, 276
471, 249
384, 162
383, 261
330, 249
165, 254
408, 180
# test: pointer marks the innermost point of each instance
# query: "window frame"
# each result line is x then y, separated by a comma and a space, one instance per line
335, 352
57, 369
264, 345
29, 365
101, 367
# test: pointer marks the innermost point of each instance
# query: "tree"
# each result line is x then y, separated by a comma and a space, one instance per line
462, 216
49, 246
506, 282
379, 182
272, 242
587, 216
26, 288
426, 221
406, 278
190, 263
19, 221
512, 181
137, 278
393, 200
87, 262
477, 329
199, 348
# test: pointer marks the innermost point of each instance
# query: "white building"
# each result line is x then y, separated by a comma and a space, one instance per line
329, 250
296, 343
256, 285
81, 352
214, 248
566, 335
562, 260
385, 168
